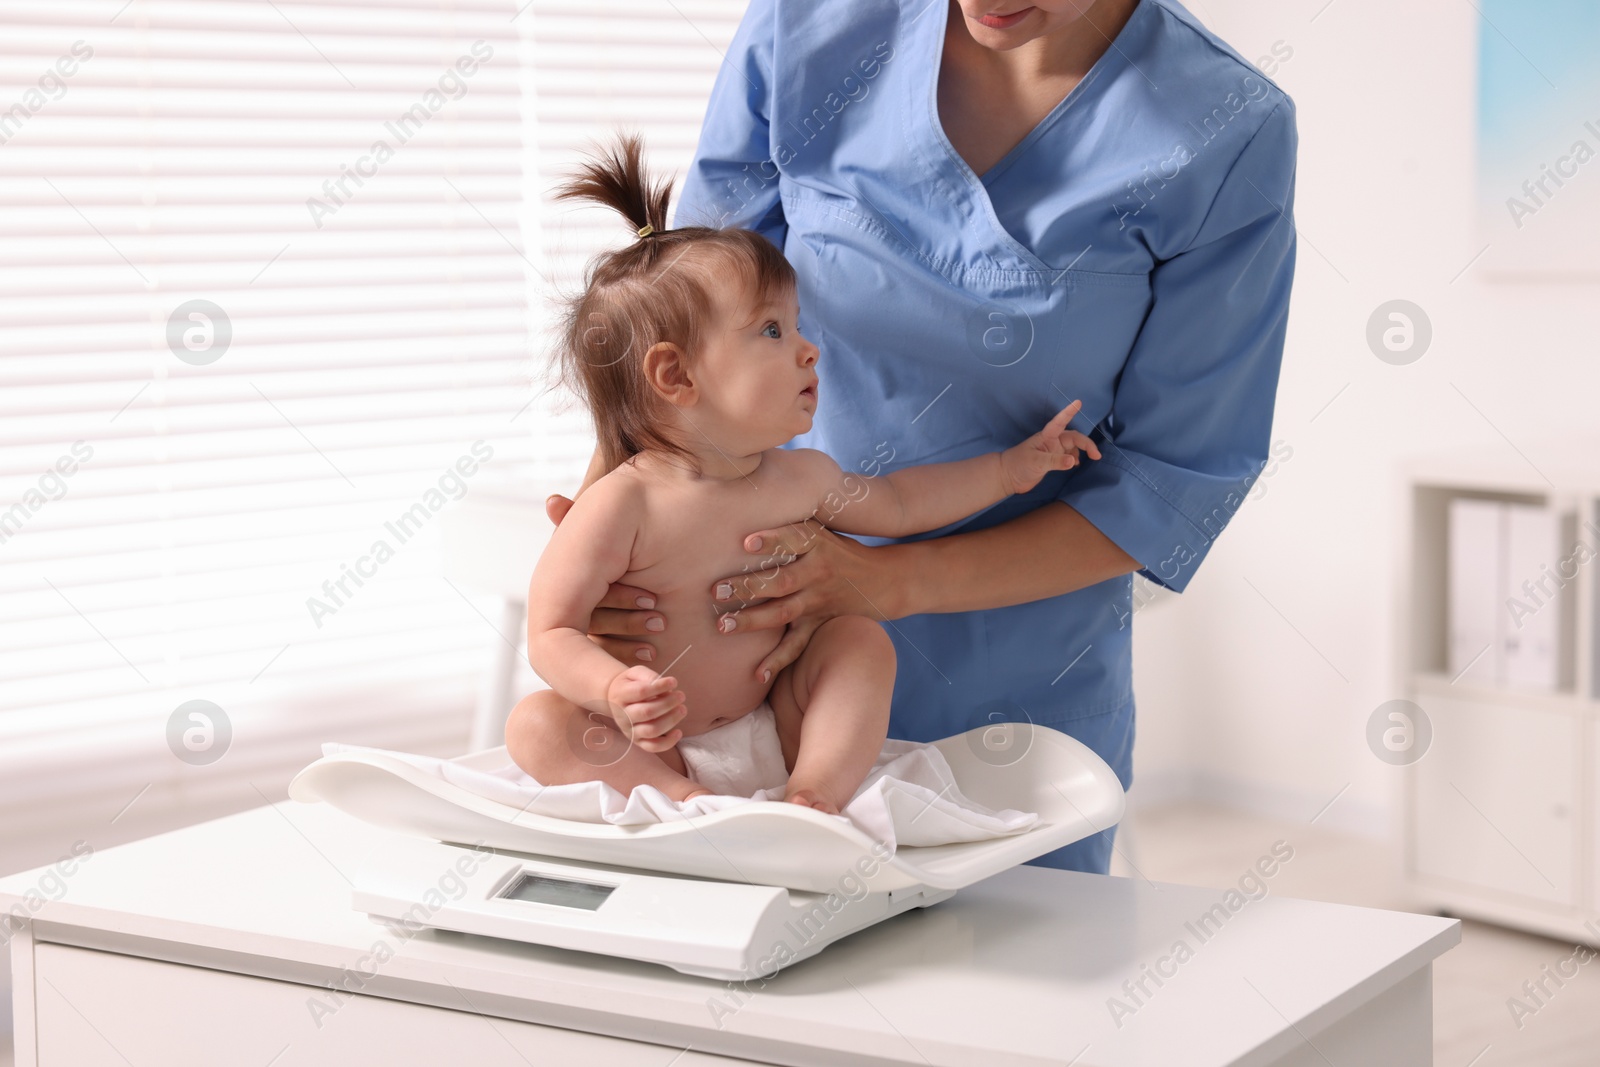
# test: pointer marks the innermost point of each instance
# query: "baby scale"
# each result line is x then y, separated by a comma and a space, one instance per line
734, 894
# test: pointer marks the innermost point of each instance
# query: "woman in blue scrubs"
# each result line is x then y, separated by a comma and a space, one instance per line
993, 210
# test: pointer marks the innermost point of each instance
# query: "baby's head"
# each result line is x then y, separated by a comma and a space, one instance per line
683, 340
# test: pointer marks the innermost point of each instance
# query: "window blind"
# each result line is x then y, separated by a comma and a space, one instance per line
263, 308
644, 66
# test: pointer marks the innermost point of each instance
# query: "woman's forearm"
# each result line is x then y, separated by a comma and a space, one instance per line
1047, 552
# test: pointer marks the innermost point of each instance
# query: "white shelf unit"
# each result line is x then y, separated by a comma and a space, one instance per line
1501, 815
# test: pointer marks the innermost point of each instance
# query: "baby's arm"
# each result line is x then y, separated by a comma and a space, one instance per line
591, 549
916, 499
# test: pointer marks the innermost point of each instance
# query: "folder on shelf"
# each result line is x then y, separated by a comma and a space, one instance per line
1504, 594
1532, 596
1476, 639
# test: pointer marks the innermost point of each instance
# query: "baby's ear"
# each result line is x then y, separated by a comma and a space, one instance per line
666, 368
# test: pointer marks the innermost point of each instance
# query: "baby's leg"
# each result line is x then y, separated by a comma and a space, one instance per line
559, 743
831, 707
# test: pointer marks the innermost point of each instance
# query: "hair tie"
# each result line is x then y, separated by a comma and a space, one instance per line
646, 230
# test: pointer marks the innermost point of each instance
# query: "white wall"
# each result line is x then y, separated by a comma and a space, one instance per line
1254, 686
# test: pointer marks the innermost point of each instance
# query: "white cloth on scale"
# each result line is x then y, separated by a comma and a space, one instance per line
910, 797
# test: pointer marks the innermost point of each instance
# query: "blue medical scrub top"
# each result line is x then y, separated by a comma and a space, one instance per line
1134, 251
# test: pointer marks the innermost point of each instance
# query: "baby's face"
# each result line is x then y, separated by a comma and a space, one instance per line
758, 374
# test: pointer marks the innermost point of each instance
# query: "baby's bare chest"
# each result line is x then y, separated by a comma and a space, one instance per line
692, 537
689, 536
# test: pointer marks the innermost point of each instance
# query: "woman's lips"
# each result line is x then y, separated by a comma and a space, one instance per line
1004, 22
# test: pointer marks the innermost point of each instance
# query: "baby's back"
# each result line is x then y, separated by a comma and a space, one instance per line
691, 533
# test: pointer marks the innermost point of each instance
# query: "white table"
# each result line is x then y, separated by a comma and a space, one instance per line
216, 945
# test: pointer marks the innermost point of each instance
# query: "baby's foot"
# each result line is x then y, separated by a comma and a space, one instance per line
697, 793
812, 799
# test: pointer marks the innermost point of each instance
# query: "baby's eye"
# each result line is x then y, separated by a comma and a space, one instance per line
771, 326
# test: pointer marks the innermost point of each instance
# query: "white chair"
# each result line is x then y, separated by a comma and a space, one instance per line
491, 540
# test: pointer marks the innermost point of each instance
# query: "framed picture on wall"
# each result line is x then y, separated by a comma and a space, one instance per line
1538, 151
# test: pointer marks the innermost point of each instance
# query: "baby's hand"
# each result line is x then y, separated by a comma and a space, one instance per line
647, 707
1055, 448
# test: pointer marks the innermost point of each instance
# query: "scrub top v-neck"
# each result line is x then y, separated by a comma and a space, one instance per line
983, 186
1135, 250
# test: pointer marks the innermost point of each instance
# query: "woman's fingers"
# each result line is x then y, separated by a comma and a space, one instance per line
627, 598
768, 575
612, 622
623, 625
779, 611
781, 595
794, 642
785, 542
625, 649
746, 588
556, 507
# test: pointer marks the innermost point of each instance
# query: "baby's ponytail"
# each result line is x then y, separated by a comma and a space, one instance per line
616, 178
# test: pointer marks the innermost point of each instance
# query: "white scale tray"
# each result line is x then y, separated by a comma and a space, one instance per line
1014, 765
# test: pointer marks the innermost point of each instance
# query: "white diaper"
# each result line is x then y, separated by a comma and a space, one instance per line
740, 758
909, 797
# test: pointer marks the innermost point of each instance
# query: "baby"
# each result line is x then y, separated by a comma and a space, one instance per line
686, 347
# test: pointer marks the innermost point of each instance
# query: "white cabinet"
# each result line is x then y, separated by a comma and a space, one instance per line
1502, 809
1496, 799
1592, 811
105, 1009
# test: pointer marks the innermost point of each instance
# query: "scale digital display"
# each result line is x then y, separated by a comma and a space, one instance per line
562, 892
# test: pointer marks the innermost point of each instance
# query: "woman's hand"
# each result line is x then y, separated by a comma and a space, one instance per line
810, 574
624, 614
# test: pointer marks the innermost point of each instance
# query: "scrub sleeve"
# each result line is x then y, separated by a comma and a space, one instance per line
1134, 251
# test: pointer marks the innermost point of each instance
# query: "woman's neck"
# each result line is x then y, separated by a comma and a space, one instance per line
1066, 52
